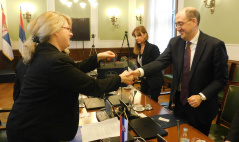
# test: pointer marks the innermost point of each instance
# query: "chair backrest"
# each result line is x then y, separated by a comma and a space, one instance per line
123, 58
132, 64
234, 72
230, 103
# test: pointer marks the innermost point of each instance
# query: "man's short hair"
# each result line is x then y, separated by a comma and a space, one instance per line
193, 13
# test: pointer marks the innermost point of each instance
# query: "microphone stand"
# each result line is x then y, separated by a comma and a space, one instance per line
178, 126
93, 50
83, 51
125, 37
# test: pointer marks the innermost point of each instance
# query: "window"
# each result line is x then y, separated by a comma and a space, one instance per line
159, 21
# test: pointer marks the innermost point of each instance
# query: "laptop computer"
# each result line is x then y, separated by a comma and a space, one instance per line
147, 128
117, 139
107, 112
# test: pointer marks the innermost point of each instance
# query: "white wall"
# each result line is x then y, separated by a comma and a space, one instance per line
232, 51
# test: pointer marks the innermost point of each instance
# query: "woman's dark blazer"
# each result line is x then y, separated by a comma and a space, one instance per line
151, 52
20, 71
47, 108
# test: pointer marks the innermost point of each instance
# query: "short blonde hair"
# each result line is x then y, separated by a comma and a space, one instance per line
138, 30
43, 27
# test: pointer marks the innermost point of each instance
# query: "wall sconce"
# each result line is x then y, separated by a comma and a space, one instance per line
27, 15
27, 10
94, 3
139, 14
67, 2
82, 4
113, 14
211, 5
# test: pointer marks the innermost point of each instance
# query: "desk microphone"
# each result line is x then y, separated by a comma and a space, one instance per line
178, 126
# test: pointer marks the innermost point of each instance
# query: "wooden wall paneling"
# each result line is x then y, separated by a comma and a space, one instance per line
75, 54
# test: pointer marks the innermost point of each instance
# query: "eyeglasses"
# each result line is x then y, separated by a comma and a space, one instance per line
180, 24
68, 28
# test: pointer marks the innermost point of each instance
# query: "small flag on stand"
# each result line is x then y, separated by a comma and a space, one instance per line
123, 129
22, 37
7, 48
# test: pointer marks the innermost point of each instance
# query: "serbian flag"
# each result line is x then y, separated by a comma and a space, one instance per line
22, 37
123, 129
7, 48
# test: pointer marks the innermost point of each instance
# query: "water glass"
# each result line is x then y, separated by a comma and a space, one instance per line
148, 102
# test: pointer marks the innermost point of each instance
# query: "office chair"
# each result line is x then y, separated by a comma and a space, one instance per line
232, 69
3, 135
230, 105
168, 78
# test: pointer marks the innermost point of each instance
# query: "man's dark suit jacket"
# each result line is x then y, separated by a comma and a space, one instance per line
151, 52
47, 108
208, 71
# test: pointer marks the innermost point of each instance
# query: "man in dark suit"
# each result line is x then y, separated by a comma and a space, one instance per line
194, 91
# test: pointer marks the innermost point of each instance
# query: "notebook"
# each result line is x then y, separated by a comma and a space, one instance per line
94, 103
172, 120
147, 128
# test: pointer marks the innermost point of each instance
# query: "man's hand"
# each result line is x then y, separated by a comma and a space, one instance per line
135, 73
127, 79
105, 55
195, 100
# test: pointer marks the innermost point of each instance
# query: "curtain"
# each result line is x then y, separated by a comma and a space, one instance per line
158, 21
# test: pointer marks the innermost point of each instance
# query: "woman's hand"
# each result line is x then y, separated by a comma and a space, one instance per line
127, 79
105, 55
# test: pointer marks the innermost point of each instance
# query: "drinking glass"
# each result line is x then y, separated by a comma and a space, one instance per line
148, 102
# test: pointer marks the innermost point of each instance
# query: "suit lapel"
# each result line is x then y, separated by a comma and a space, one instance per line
198, 53
180, 55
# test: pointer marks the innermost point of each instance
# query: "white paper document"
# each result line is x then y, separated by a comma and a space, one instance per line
101, 130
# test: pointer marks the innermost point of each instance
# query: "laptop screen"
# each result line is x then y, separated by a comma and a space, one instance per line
109, 108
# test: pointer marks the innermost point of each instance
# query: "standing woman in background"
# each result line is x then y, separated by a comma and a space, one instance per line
47, 107
147, 53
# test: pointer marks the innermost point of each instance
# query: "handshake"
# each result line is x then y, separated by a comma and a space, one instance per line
126, 77
129, 77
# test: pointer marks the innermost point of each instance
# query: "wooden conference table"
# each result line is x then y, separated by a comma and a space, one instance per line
157, 109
